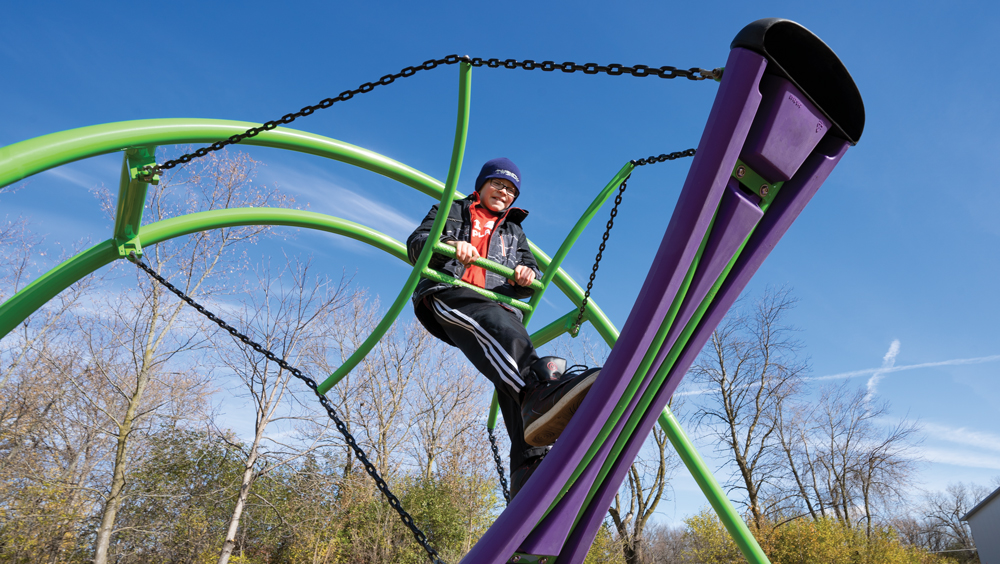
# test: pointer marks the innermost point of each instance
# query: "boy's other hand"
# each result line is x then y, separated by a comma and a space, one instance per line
524, 276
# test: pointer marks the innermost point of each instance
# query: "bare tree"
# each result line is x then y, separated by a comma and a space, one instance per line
285, 314
647, 480
944, 512
859, 463
749, 368
447, 404
47, 448
665, 544
133, 348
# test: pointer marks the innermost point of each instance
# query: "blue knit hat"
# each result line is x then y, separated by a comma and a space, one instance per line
500, 168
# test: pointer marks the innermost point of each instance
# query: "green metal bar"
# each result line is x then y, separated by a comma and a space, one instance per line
713, 491
449, 251
574, 234
23, 159
555, 329
491, 421
458, 152
19, 306
429, 272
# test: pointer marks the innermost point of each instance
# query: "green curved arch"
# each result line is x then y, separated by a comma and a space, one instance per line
26, 158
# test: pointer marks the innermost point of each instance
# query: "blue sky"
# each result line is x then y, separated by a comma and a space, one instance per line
899, 246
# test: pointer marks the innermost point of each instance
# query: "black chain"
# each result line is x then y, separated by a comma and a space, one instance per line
496, 458
611, 222
693, 73
323, 400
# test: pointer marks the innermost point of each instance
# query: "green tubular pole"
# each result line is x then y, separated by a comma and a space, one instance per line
553, 267
491, 422
458, 151
554, 329
235, 217
710, 487
35, 295
574, 292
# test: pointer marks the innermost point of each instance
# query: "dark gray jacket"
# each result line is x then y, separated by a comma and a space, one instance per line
508, 246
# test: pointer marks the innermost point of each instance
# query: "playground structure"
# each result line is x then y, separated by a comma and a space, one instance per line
785, 113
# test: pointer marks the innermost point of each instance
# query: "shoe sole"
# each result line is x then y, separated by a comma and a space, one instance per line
547, 428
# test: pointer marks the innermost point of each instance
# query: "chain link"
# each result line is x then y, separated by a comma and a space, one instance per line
323, 400
611, 222
693, 73
499, 463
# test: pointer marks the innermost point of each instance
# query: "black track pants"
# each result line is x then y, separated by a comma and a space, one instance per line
498, 345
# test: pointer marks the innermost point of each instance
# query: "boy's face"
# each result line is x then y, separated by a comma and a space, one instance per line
497, 194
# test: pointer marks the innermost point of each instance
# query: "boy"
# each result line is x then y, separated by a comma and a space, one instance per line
537, 396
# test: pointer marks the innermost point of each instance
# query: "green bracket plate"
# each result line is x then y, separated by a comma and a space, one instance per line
756, 183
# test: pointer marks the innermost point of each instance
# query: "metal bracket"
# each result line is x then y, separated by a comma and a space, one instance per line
756, 183
519, 558
138, 159
128, 247
145, 175
132, 198
572, 328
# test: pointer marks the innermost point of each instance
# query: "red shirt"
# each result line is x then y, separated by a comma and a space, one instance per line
483, 223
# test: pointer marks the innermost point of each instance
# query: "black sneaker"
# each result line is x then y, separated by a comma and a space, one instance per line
550, 403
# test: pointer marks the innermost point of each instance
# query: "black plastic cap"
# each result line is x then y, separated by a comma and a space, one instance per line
795, 53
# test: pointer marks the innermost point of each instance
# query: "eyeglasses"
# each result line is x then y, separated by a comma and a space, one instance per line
501, 187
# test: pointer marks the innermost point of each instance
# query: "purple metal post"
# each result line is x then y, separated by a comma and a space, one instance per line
794, 196
727, 128
735, 219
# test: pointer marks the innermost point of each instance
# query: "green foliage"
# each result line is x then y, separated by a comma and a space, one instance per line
708, 540
803, 541
178, 501
606, 549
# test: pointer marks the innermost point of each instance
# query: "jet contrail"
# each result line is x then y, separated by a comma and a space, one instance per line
888, 361
868, 371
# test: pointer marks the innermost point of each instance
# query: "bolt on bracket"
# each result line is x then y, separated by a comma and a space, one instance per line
756, 183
